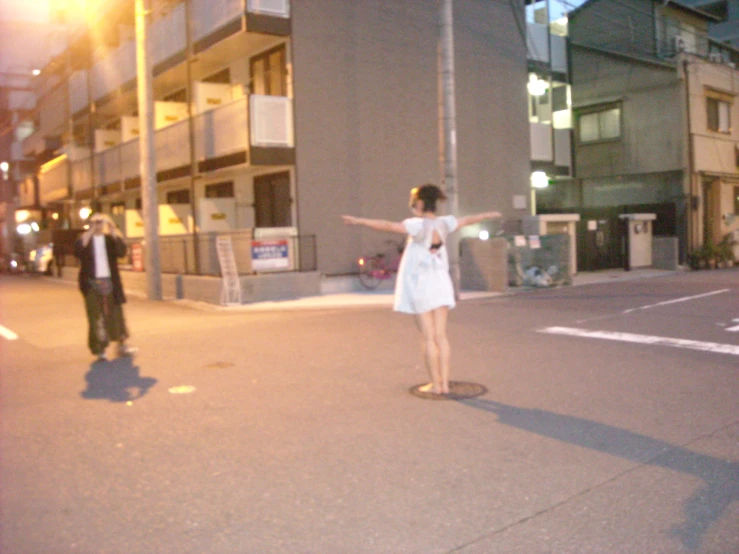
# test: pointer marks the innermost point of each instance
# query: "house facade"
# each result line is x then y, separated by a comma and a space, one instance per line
273, 118
653, 99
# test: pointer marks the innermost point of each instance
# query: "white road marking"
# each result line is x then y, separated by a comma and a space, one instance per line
715, 347
733, 329
7, 333
675, 301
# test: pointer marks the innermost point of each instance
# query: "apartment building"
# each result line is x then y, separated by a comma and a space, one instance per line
549, 92
291, 114
653, 99
27, 42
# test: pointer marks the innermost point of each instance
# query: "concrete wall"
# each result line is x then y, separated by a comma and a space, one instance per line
483, 264
366, 114
254, 288
665, 253
625, 26
652, 114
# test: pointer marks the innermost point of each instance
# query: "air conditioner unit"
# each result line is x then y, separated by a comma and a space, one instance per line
715, 57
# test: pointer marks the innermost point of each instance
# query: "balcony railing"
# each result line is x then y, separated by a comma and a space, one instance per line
167, 37
53, 179
115, 70
210, 15
538, 41
222, 131
551, 145
218, 132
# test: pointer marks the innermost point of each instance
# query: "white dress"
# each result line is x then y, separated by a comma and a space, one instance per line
423, 282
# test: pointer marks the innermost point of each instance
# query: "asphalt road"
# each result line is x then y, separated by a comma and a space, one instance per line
611, 425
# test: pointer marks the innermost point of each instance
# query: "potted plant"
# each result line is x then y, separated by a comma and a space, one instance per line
726, 248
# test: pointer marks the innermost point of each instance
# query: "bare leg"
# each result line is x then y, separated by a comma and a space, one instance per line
425, 323
442, 346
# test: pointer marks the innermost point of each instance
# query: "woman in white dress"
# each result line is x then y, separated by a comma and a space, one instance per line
423, 286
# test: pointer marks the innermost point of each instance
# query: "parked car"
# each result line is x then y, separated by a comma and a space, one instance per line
41, 260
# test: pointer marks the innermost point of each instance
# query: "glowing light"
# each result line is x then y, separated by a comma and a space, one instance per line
361, 261
34, 226
4, 166
85, 212
539, 180
36, 72
484, 235
23, 229
22, 215
536, 86
55, 216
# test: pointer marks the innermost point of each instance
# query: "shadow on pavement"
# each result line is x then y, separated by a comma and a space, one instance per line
705, 506
117, 380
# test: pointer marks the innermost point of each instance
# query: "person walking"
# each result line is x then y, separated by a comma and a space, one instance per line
424, 286
98, 250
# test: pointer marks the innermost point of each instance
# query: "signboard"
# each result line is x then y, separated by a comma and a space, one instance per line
270, 255
137, 257
231, 290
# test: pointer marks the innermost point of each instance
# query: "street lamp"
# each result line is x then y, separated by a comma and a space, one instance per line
85, 212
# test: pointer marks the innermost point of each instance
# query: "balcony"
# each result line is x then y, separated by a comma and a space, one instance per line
546, 48
257, 131
551, 147
212, 21
53, 180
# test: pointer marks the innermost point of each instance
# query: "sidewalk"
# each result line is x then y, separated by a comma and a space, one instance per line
334, 297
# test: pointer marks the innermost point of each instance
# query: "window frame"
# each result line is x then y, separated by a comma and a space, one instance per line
715, 99
600, 110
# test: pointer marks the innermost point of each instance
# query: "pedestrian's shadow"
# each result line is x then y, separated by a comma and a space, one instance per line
117, 380
720, 477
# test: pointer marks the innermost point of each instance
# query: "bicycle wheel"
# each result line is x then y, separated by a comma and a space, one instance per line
369, 270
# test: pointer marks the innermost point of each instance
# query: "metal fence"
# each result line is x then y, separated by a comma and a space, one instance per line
177, 254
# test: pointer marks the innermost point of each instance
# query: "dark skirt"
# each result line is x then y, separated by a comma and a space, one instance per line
104, 316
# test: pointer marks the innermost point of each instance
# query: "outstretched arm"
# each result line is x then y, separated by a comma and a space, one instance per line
476, 218
376, 224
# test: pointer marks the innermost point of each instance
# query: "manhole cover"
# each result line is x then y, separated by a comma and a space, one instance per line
457, 391
219, 365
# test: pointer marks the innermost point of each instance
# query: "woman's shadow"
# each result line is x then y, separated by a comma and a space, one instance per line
117, 380
720, 477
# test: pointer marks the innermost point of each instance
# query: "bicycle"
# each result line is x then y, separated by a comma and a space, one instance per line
373, 269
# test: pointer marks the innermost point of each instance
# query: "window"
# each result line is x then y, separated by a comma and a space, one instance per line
718, 112
220, 190
118, 208
600, 125
269, 73
181, 196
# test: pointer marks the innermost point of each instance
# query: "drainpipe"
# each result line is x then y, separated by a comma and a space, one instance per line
690, 207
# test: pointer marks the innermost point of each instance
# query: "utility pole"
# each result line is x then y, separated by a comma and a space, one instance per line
146, 153
449, 124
